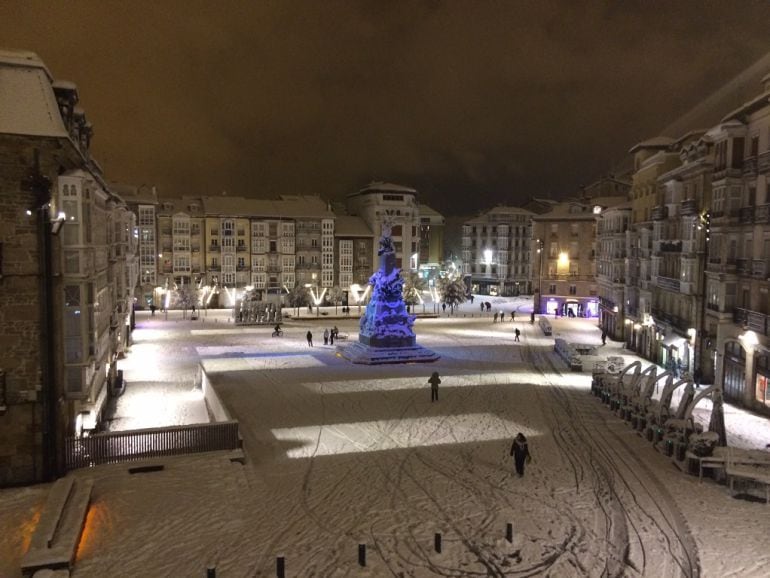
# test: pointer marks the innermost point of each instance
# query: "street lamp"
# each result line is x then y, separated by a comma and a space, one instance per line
540, 250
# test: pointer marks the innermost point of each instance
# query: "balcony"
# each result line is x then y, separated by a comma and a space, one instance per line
214, 268
759, 269
743, 267
763, 163
762, 214
726, 173
671, 246
668, 283
750, 167
213, 247
753, 320
688, 208
746, 215
241, 248
659, 213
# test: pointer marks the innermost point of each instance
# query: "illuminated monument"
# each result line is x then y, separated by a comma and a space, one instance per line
385, 334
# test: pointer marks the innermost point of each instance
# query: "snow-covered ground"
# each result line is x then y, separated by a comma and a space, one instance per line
340, 454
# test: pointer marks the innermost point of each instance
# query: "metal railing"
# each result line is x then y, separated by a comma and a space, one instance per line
132, 445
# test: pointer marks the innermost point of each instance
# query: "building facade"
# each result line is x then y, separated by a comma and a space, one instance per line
67, 243
497, 252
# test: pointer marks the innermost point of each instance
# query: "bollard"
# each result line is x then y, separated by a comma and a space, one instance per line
211, 572
280, 567
437, 542
509, 532
362, 555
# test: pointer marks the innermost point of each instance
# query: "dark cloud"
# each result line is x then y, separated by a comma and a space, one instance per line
474, 103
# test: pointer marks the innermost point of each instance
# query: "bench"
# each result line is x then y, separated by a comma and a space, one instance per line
753, 470
727, 459
55, 540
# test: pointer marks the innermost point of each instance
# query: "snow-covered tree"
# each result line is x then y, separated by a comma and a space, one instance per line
414, 285
452, 290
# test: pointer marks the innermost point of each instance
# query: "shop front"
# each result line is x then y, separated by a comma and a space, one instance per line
761, 382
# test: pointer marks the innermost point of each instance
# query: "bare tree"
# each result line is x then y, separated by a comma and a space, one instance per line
298, 296
335, 296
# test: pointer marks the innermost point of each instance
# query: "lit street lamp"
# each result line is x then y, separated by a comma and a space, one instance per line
540, 249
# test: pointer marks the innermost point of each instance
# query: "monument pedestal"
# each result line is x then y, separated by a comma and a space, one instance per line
365, 354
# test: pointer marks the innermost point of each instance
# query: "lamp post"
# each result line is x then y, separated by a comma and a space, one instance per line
540, 248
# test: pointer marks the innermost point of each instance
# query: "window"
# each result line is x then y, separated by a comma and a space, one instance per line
552, 289
573, 290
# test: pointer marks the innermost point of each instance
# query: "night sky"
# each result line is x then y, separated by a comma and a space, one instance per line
473, 103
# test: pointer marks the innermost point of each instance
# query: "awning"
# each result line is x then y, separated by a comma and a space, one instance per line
674, 340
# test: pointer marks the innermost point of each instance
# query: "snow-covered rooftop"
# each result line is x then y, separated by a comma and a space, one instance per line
27, 102
348, 226
380, 186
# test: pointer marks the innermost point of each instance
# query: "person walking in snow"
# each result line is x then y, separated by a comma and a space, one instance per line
331, 337
513, 316
604, 337
443, 307
309, 338
434, 381
516, 334
482, 306
471, 298
495, 318
326, 337
520, 453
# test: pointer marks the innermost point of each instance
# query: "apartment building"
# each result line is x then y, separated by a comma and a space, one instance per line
738, 264
652, 158
563, 257
611, 229
432, 225
379, 203
67, 268
496, 251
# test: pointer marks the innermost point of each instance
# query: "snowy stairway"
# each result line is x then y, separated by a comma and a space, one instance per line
55, 541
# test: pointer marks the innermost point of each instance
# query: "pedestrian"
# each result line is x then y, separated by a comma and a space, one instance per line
331, 337
326, 337
532, 318
520, 453
495, 319
309, 338
193, 309
604, 337
471, 298
482, 306
502, 317
489, 307
516, 334
443, 307
434, 381
697, 377
513, 316
336, 332
152, 310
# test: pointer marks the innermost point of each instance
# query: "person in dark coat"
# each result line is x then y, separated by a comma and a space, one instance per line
604, 337
309, 338
434, 381
520, 453
326, 337
516, 334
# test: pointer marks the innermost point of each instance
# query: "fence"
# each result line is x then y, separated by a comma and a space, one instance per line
126, 446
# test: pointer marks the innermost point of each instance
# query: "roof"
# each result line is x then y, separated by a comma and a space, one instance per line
380, 186
347, 226
27, 102
658, 142
289, 206
499, 212
561, 212
136, 194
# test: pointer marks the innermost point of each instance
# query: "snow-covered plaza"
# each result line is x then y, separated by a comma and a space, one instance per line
338, 455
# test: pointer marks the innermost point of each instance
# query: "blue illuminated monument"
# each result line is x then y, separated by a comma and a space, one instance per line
386, 334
